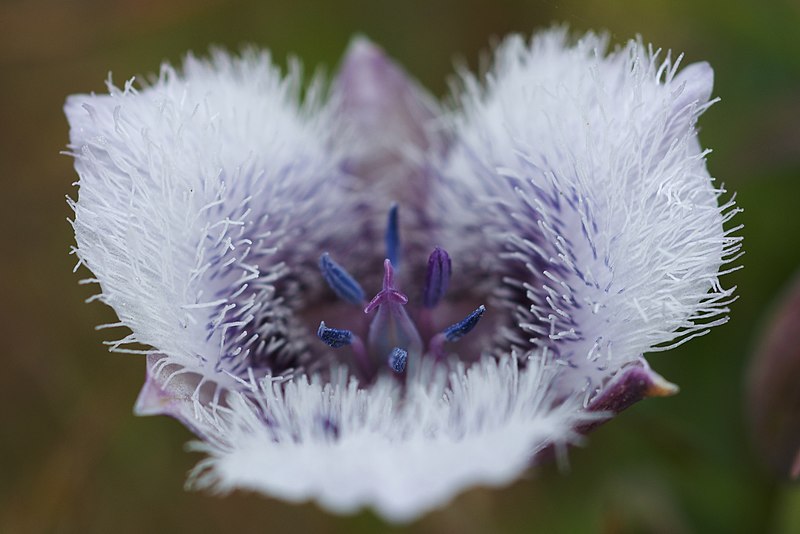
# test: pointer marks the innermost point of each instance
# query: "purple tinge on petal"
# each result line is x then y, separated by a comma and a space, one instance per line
162, 395
386, 130
380, 98
629, 387
773, 389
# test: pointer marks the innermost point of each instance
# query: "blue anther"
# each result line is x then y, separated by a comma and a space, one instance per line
461, 328
340, 281
437, 277
398, 359
393, 237
334, 337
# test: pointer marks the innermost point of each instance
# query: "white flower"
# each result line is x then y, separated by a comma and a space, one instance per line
573, 227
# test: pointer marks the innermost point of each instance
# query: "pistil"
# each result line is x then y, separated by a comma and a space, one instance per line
391, 327
393, 340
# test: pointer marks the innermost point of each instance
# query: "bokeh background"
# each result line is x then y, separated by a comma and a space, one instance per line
73, 458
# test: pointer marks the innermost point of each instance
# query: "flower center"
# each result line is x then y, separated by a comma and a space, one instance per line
393, 341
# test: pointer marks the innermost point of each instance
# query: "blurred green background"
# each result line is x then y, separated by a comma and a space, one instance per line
73, 458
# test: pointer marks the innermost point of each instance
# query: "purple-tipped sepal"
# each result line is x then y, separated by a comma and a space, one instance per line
437, 277
626, 389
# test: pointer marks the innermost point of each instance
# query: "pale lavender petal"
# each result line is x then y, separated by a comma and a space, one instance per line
383, 105
400, 452
385, 129
199, 212
695, 83
606, 229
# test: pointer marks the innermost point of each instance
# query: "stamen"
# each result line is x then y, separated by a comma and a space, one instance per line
462, 328
337, 338
393, 338
398, 359
455, 332
334, 337
393, 237
340, 281
437, 277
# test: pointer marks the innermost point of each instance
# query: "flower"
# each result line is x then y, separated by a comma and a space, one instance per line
535, 241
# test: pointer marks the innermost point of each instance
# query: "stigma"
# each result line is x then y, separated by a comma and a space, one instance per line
393, 341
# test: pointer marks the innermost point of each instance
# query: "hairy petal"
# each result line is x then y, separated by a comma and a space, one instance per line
191, 191
346, 448
582, 170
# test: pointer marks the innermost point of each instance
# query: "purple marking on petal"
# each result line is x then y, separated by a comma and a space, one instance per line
437, 278
329, 427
